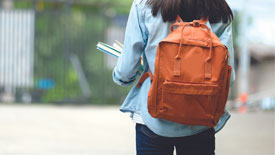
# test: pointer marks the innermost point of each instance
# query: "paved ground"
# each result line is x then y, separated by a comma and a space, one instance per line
87, 130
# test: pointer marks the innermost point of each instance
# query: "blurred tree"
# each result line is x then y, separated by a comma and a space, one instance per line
59, 33
63, 29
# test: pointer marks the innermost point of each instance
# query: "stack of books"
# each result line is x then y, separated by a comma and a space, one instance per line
114, 50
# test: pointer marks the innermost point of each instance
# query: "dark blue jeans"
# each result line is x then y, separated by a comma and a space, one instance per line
149, 143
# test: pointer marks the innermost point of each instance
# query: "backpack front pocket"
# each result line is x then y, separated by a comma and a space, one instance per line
190, 104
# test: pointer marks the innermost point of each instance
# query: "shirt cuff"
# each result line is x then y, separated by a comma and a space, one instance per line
120, 82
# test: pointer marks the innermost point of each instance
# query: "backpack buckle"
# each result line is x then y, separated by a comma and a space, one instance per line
196, 23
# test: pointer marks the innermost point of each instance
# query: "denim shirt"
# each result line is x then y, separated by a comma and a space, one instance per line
143, 33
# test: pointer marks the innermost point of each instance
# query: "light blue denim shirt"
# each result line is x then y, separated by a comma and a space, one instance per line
143, 33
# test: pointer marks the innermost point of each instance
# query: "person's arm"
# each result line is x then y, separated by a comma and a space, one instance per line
224, 32
127, 66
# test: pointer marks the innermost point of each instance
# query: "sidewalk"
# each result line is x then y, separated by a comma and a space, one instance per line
89, 130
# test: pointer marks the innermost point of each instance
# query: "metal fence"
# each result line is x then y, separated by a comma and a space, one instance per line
49, 55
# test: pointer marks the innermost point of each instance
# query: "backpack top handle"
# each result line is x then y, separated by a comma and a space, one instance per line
196, 23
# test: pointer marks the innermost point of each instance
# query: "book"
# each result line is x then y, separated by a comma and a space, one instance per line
108, 49
114, 50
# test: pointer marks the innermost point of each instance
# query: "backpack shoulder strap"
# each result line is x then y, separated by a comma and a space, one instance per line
146, 74
144, 77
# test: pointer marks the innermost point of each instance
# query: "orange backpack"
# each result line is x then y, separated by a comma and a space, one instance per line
190, 84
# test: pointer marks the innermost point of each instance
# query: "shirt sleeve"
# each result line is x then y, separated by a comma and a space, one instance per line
224, 32
128, 63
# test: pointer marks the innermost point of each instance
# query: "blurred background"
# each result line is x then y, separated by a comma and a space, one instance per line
56, 89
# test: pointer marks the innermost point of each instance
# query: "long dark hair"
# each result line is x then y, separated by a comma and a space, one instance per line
189, 10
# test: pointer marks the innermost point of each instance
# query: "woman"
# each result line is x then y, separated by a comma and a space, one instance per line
149, 22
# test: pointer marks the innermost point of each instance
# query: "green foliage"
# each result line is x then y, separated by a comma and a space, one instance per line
54, 33
61, 34
117, 6
23, 4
